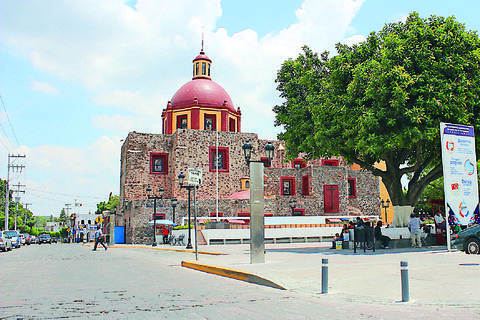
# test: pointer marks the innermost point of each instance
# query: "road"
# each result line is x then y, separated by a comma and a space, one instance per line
61, 281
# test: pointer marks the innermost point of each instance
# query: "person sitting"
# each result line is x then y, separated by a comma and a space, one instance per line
337, 238
380, 237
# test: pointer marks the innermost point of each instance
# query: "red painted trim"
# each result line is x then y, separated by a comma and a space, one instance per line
299, 210
156, 155
224, 120
354, 181
300, 161
292, 185
305, 185
195, 118
214, 214
243, 214
226, 159
330, 162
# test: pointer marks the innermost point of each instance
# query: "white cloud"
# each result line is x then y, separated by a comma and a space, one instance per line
133, 60
44, 87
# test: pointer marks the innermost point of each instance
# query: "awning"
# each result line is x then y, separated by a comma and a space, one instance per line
164, 222
334, 220
235, 221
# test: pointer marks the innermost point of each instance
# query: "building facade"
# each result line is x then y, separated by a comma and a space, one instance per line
202, 129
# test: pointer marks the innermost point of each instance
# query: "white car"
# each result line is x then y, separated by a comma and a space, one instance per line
14, 237
5, 242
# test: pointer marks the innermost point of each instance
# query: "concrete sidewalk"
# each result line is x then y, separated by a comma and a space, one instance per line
436, 277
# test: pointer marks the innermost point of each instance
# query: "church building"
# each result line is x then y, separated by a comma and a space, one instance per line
201, 128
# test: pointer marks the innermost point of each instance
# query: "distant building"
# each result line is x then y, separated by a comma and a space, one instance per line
202, 129
52, 226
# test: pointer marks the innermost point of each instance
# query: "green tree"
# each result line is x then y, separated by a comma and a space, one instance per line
383, 100
111, 204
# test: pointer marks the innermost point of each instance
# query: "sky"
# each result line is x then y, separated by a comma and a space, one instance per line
77, 76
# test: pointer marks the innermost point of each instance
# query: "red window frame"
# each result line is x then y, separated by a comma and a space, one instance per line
299, 163
214, 214
225, 161
298, 212
179, 121
331, 199
305, 186
292, 186
153, 157
352, 187
214, 122
232, 125
266, 162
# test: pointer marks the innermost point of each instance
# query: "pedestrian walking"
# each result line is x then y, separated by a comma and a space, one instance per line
165, 233
99, 238
414, 226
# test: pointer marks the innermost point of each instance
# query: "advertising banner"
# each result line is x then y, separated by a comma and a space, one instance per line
459, 174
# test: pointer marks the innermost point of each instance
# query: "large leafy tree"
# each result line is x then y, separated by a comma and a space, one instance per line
383, 100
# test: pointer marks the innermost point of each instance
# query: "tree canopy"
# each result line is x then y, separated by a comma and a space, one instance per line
383, 100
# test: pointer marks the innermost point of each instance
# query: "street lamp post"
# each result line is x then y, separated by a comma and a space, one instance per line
181, 178
385, 205
160, 195
257, 202
174, 203
293, 204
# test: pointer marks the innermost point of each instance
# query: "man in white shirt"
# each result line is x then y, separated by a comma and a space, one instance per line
439, 221
414, 226
99, 239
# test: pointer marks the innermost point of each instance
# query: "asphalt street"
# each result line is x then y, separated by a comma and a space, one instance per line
62, 281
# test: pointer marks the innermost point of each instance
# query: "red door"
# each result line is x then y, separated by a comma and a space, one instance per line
330, 198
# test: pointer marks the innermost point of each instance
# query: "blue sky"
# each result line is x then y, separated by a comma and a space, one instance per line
77, 76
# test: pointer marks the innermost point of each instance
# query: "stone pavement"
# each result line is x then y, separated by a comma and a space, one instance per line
437, 278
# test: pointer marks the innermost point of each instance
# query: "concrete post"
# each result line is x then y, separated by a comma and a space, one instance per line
257, 208
324, 275
405, 284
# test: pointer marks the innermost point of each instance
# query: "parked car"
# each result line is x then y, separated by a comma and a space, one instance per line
44, 238
22, 239
26, 236
15, 237
33, 239
5, 242
468, 240
54, 239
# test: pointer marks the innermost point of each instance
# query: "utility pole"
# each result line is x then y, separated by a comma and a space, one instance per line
17, 199
14, 167
25, 215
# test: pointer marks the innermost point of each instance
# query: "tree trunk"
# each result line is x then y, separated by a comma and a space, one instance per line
401, 216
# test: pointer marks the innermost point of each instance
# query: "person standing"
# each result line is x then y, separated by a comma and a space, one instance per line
99, 239
414, 226
165, 233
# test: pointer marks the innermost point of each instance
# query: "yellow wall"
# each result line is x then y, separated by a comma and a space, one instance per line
384, 196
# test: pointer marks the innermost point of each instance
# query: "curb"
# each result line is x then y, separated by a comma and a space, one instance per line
231, 273
161, 249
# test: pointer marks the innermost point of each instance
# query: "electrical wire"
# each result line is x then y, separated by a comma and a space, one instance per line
8, 118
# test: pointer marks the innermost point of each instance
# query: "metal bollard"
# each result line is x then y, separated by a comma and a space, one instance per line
324, 275
405, 286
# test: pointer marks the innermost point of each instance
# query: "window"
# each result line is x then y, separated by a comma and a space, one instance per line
159, 163
232, 125
298, 212
352, 188
208, 69
247, 184
196, 69
266, 162
182, 122
220, 161
204, 68
299, 163
305, 186
330, 199
209, 122
287, 185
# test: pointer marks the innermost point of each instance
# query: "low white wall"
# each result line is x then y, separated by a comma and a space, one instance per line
218, 234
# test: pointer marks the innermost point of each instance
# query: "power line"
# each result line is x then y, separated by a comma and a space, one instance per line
67, 195
8, 118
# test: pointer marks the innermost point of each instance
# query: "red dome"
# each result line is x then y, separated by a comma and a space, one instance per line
207, 92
